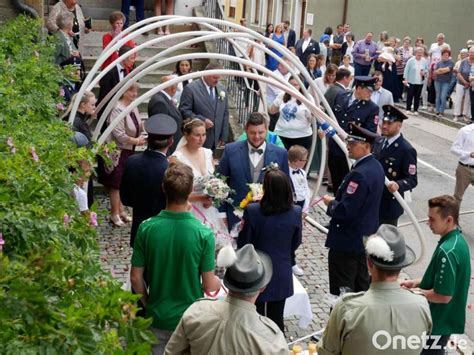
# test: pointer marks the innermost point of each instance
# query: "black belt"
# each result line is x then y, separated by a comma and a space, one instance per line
467, 165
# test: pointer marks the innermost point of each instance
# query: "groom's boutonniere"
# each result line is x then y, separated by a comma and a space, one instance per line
271, 166
222, 95
175, 102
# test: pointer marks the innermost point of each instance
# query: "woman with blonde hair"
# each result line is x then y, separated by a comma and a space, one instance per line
278, 37
127, 135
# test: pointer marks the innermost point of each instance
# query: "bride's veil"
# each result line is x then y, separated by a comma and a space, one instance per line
181, 143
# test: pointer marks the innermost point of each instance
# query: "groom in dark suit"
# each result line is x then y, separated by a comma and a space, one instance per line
242, 161
206, 99
163, 102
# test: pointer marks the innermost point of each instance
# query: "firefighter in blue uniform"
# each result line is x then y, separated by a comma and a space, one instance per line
354, 214
352, 107
398, 159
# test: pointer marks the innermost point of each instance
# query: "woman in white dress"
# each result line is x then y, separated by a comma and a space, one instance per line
190, 151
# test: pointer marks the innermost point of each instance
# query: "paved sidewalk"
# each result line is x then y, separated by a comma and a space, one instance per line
311, 256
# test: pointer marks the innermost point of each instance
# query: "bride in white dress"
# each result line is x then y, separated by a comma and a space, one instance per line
190, 151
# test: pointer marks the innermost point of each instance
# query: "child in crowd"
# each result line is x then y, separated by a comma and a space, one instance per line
81, 175
297, 159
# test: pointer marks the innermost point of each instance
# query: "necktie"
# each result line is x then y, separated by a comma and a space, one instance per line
297, 171
211, 93
385, 144
259, 151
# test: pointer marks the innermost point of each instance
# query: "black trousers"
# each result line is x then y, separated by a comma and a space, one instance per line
274, 311
438, 342
414, 94
303, 141
347, 270
338, 169
393, 222
273, 120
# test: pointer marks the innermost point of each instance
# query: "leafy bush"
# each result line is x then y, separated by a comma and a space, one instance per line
54, 296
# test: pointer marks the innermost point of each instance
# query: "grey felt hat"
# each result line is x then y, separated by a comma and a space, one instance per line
387, 248
251, 271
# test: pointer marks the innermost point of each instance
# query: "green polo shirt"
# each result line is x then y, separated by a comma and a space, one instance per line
175, 248
449, 273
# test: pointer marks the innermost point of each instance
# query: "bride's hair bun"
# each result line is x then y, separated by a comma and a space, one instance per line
190, 123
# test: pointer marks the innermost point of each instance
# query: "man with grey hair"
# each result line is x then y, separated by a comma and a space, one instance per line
164, 102
435, 49
206, 100
231, 325
364, 322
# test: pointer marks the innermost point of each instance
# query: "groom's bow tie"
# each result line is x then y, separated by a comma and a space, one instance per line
256, 150
297, 171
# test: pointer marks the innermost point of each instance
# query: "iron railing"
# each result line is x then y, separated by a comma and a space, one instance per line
243, 94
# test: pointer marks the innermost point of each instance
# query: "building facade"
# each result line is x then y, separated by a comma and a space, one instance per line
425, 18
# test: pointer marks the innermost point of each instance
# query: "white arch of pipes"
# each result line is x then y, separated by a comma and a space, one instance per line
310, 97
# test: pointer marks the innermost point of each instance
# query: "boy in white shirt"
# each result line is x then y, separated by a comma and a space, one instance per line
297, 159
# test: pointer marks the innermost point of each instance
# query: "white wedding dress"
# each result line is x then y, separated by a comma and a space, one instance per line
208, 216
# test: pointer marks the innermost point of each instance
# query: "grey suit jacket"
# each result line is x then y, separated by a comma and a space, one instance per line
332, 92
385, 98
197, 103
159, 103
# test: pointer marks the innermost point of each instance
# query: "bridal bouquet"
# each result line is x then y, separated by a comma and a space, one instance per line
215, 187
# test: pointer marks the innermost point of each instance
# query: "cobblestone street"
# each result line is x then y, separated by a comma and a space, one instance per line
311, 256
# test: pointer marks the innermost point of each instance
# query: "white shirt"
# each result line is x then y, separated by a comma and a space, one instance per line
300, 184
294, 120
463, 145
435, 51
209, 88
81, 198
255, 157
273, 92
121, 69
305, 44
319, 82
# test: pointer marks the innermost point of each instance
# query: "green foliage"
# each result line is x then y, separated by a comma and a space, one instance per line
54, 296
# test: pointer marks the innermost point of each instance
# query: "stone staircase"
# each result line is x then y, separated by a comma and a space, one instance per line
93, 48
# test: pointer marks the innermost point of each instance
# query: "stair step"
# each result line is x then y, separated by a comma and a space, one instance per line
198, 64
93, 48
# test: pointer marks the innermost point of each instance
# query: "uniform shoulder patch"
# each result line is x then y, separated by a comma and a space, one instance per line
412, 169
352, 187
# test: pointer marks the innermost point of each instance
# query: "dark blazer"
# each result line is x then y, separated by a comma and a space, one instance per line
363, 113
197, 103
399, 165
278, 235
141, 186
108, 82
160, 103
355, 210
291, 41
332, 92
235, 164
313, 48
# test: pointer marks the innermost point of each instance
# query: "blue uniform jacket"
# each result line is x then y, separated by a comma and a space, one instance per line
399, 165
355, 210
363, 113
277, 235
141, 186
235, 164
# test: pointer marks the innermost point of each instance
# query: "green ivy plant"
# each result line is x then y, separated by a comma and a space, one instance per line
54, 296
